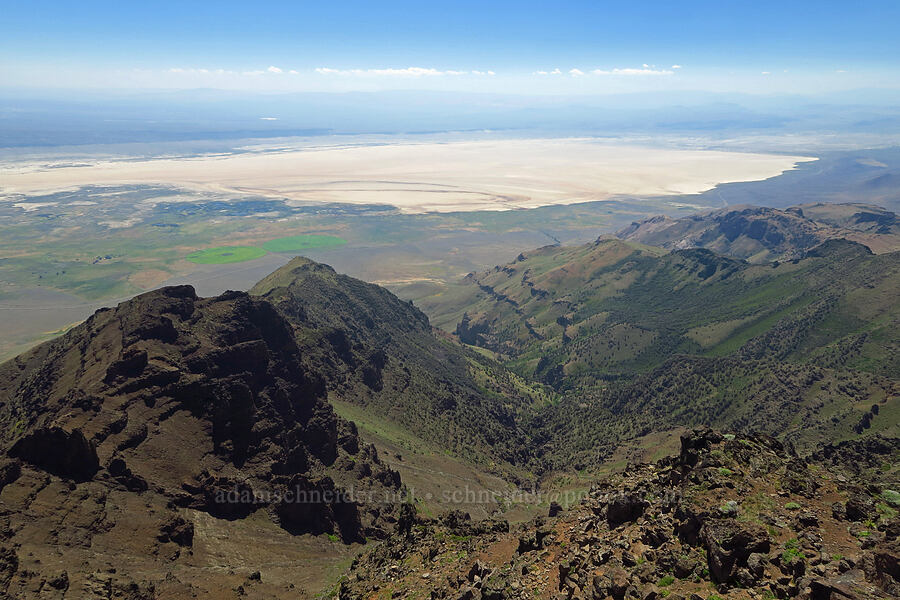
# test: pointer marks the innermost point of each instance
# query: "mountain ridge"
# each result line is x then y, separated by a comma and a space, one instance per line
762, 234
162, 422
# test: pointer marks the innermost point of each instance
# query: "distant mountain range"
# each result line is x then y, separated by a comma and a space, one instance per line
760, 234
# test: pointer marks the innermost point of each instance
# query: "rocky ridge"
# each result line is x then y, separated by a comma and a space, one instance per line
153, 426
729, 517
760, 234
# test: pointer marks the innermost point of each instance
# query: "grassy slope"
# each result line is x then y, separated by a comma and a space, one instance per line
613, 309
379, 352
638, 341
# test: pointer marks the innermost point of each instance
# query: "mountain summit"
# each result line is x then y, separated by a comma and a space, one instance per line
139, 437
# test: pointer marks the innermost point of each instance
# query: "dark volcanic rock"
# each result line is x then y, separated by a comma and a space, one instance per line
178, 531
729, 545
197, 404
696, 441
680, 546
860, 507
64, 453
624, 509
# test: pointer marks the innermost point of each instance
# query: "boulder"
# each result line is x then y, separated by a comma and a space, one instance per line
531, 541
882, 565
178, 531
624, 509
696, 441
614, 582
729, 544
859, 507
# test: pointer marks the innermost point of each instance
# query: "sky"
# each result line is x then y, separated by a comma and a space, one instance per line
789, 46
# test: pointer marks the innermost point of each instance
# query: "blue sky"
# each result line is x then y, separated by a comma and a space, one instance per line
528, 47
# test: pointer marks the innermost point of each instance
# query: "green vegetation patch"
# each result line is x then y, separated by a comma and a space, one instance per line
298, 243
792, 552
225, 254
891, 496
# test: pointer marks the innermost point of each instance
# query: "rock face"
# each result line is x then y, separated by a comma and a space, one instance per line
711, 522
184, 405
63, 453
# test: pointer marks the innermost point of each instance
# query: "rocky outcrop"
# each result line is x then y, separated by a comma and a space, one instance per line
729, 546
168, 407
62, 453
715, 517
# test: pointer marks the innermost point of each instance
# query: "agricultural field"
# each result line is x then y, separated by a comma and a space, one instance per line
225, 254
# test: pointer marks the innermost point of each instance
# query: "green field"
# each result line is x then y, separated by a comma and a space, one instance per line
225, 254
297, 243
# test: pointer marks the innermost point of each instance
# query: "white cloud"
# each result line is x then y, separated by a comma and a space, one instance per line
273, 69
192, 71
766, 73
576, 72
293, 72
676, 66
407, 72
553, 72
643, 71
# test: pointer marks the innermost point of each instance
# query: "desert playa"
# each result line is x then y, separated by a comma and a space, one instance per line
428, 177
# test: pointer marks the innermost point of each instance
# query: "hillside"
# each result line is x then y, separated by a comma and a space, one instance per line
380, 353
611, 309
162, 449
728, 517
759, 234
638, 340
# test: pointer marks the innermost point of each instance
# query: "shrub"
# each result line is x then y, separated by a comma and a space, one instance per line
792, 552
891, 497
666, 581
730, 508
